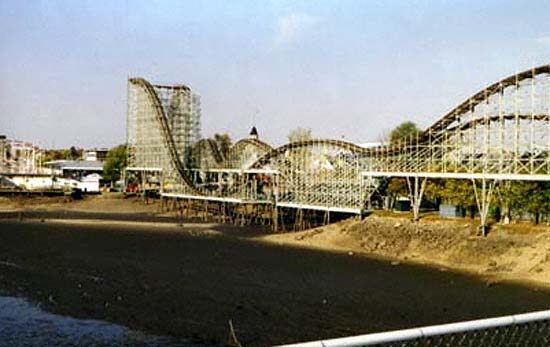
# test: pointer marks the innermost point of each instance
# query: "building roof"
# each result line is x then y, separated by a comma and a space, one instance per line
88, 165
97, 149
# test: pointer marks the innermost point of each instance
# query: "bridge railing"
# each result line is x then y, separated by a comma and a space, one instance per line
523, 330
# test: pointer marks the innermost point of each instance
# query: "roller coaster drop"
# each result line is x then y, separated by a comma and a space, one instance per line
500, 133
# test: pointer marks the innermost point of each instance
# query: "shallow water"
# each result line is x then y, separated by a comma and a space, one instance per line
25, 324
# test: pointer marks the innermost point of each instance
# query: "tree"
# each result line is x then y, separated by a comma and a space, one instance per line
524, 196
404, 131
223, 142
434, 189
393, 188
460, 192
53, 154
538, 199
397, 186
74, 153
300, 134
115, 163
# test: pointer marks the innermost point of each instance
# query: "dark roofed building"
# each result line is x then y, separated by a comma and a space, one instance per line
254, 133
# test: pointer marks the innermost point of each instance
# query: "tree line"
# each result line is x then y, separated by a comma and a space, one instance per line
72, 153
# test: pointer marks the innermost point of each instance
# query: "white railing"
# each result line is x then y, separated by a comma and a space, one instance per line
529, 329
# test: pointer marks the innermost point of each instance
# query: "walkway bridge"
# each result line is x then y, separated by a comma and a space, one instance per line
500, 133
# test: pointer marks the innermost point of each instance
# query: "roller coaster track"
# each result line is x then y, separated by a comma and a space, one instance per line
484, 94
484, 121
162, 120
308, 143
211, 146
262, 146
502, 129
224, 161
444, 125
441, 125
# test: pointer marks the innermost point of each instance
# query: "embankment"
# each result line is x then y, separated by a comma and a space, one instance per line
518, 252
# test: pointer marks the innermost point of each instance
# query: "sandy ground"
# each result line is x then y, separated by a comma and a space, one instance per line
189, 280
517, 252
105, 203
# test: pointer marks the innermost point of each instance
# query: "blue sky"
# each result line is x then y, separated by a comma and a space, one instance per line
345, 69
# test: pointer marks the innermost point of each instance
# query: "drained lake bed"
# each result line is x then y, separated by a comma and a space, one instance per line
188, 282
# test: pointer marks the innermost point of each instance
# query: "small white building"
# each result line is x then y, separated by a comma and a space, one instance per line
82, 174
95, 154
76, 169
90, 183
31, 182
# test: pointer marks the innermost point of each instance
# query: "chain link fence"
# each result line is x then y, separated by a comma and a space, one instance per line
525, 330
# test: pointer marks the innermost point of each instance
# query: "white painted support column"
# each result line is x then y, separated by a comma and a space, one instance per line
483, 199
416, 192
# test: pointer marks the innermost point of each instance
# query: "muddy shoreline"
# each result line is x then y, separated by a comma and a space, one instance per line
189, 281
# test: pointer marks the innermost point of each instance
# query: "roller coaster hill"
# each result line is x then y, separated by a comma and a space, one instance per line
499, 134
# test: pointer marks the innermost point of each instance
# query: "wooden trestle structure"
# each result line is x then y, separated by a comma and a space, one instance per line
501, 133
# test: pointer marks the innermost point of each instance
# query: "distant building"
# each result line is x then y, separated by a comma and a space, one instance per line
95, 154
76, 169
3, 153
19, 156
83, 174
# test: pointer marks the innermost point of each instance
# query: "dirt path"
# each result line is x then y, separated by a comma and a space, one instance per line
105, 203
